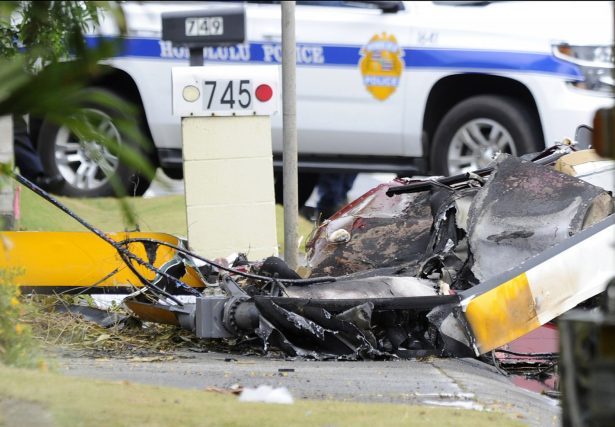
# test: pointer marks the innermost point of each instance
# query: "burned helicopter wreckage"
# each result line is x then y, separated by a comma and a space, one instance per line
453, 266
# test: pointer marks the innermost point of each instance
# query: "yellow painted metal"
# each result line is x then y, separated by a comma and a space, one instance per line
79, 259
502, 314
149, 312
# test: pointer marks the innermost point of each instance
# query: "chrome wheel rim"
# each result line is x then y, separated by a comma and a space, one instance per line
87, 165
475, 145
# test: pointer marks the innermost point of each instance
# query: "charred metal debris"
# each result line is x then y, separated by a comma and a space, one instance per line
392, 273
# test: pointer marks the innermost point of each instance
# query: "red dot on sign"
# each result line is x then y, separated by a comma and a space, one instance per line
264, 93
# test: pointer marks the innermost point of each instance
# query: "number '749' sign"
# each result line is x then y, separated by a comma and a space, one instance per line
206, 26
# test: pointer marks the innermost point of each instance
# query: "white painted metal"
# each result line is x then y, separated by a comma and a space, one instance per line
195, 78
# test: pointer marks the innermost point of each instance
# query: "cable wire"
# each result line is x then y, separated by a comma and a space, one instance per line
229, 269
125, 254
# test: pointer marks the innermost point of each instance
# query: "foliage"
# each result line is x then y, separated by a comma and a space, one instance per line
46, 66
44, 27
17, 346
49, 31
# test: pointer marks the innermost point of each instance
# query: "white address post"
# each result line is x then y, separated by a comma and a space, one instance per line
228, 165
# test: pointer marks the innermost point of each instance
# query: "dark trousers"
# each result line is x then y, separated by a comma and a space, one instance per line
26, 157
333, 188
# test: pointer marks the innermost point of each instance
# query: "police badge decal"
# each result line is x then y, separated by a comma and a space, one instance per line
381, 65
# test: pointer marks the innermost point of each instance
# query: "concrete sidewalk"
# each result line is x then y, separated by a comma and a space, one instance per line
460, 383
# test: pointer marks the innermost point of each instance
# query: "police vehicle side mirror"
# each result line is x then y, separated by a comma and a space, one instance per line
386, 6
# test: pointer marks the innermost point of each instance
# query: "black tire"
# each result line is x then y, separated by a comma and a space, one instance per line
174, 173
60, 158
480, 112
307, 182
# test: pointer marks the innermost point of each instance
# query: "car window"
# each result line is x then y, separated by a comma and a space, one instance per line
349, 4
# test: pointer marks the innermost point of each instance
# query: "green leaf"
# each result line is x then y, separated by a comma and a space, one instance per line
12, 77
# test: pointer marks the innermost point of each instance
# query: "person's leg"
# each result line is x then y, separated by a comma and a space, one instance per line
26, 159
349, 179
331, 192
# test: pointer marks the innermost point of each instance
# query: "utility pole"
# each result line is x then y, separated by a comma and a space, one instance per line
7, 195
289, 124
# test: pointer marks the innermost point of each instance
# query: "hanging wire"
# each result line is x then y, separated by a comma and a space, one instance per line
497, 365
127, 256
93, 285
538, 355
229, 269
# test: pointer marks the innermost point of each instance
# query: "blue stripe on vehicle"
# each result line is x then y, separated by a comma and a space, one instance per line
318, 55
476, 59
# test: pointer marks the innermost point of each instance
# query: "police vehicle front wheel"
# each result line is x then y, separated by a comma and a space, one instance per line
474, 130
86, 166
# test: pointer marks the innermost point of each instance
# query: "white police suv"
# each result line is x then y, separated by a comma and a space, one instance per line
397, 86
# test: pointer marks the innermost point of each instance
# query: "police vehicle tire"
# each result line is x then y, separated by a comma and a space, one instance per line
475, 129
63, 154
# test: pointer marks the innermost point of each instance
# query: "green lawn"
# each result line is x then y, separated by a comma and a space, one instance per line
165, 214
29, 397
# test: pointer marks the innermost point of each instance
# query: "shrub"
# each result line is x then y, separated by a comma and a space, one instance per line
17, 346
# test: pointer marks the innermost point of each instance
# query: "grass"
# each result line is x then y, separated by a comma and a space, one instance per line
165, 214
55, 330
83, 402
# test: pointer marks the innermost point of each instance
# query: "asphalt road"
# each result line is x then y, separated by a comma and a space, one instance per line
462, 383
